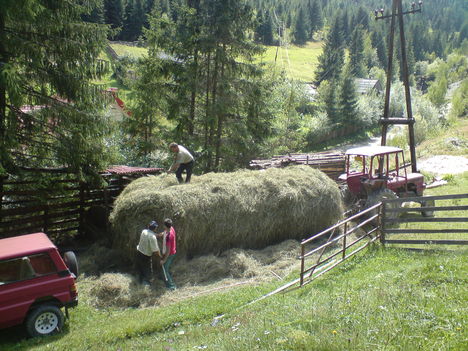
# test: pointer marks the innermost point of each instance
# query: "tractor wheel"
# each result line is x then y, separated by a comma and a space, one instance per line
379, 196
428, 203
348, 198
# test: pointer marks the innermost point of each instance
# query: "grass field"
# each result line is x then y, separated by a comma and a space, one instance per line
387, 299
299, 62
132, 51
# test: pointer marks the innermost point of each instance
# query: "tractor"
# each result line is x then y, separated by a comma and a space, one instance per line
375, 173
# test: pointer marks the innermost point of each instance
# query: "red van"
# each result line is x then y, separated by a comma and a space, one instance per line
35, 283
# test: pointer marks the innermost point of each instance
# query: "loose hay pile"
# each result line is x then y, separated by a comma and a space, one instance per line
219, 211
197, 276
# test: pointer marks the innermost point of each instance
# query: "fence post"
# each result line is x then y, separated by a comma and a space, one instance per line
46, 220
382, 222
81, 208
344, 239
302, 264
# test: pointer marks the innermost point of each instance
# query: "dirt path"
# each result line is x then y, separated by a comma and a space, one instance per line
444, 164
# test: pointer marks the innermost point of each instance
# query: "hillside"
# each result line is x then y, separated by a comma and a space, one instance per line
298, 62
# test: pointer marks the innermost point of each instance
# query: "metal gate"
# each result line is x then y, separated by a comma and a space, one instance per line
407, 225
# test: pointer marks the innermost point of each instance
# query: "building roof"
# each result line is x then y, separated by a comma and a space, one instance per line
364, 86
127, 170
24, 245
373, 150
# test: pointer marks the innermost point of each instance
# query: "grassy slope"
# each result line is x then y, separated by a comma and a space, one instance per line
299, 62
132, 51
387, 299
437, 142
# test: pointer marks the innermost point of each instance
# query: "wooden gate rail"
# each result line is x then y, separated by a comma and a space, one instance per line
327, 263
388, 222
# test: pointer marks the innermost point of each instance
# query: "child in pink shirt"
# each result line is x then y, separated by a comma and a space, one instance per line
168, 251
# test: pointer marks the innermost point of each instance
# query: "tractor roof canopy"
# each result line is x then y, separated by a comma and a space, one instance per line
370, 151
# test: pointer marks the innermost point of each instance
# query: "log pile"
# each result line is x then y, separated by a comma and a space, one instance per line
331, 163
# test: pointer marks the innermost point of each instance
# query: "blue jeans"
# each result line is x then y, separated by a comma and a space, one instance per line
167, 265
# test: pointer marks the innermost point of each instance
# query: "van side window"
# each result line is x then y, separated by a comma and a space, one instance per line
23, 268
15, 270
42, 264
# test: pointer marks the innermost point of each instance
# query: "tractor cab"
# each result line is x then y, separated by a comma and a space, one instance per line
373, 168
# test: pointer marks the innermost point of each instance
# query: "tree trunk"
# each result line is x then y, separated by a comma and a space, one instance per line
207, 103
219, 132
4, 60
213, 112
193, 98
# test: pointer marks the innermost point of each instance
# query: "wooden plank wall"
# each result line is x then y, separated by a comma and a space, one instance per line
56, 206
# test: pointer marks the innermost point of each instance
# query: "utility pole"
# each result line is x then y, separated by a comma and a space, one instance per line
386, 120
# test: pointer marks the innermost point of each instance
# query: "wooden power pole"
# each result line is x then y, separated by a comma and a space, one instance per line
386, 120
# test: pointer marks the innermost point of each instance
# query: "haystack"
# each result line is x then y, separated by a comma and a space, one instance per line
219, 211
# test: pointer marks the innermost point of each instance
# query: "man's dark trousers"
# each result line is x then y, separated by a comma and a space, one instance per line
188, 168
144, 266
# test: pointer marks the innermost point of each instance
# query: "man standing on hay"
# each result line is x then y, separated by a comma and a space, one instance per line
147, 246
183, 160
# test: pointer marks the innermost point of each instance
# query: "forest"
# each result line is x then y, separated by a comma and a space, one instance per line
202, 83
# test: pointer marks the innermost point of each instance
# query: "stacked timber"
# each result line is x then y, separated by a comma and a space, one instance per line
331, 163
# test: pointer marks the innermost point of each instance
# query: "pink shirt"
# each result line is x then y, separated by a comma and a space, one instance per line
171, 241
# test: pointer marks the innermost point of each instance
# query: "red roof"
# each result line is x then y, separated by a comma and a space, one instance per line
24, 245
127, 170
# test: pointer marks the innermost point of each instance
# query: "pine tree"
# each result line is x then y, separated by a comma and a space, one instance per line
66, 127
378, 42
331, 60
268, 30
347, 100
134, 20
300, 28
345, 28
212, 88
328, 95
315, 16
113, 14
356, 53
96, 13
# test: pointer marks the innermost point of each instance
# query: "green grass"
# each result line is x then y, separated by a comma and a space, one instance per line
299, 62
132, 51
438, 142
384, 299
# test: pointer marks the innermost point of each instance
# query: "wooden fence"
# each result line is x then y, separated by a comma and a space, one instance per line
328, 255
405, 217
57, 204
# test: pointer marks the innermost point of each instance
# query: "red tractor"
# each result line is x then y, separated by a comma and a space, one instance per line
374, 173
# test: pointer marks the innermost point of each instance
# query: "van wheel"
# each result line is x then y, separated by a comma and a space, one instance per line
44, 320
71, 262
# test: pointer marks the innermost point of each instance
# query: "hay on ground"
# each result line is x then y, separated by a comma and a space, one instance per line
193, 277
220, 211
